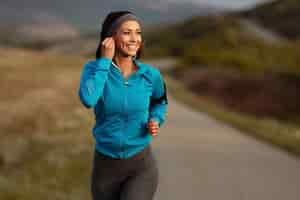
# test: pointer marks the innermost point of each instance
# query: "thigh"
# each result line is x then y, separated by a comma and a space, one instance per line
143, 184
106, 179
105, 190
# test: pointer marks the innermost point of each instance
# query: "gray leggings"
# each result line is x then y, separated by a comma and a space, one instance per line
135, 178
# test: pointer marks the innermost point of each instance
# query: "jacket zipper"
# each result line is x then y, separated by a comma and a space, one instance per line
125, 108
122, 150
125, 115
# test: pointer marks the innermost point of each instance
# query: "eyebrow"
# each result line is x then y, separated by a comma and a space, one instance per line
131, 29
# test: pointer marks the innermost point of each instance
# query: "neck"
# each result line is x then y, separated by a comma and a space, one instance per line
125, 63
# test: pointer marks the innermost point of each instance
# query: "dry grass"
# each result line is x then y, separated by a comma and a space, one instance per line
42, 121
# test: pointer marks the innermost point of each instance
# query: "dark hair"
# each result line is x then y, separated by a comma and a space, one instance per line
109, 19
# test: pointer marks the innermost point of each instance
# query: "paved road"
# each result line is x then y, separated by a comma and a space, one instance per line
200, 158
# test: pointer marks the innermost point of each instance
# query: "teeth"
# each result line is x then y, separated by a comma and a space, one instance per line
132, 47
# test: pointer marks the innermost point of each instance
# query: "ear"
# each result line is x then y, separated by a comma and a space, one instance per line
114, 34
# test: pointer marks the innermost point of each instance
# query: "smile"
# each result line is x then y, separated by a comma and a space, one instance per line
132, 47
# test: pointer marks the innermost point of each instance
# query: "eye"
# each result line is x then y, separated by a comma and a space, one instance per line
139, 32
126, 33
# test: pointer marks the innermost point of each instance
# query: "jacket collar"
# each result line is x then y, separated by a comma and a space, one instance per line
142, 69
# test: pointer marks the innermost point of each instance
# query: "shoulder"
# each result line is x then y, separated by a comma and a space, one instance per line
89, 63
150, 70
100, 63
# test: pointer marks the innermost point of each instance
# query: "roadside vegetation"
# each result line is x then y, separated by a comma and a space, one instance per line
252, 84
42, 121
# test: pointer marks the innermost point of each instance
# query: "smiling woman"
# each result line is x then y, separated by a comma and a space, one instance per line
128, 38
130, 102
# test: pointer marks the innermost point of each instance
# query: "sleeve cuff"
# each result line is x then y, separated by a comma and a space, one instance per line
157, 120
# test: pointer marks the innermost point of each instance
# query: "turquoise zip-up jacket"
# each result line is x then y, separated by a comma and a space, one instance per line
122, 107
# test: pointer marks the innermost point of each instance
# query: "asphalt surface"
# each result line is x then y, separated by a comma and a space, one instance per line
201, 158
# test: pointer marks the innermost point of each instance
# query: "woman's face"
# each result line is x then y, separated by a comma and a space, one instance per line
128, 38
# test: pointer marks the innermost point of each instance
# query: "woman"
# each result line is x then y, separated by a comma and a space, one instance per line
130, 102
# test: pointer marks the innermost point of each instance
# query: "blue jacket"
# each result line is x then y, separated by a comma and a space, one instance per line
122, 107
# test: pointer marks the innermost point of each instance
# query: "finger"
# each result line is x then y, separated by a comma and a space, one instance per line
104, 41
110, 43
109, 40
150, 123
154, 133
154, 130
154, 123
154, 126
112, 40
107, 43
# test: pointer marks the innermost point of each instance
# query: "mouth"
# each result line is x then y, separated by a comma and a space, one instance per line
132, 47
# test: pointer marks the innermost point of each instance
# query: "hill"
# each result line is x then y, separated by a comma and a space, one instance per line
39, 33
221, 59
86, 16
222, 42
282, 16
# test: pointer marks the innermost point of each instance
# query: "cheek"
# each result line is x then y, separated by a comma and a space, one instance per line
124, 39
139, 42
140, 39
120, 41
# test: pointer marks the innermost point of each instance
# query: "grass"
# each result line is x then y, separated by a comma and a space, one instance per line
42, 124
46, 167
275, 132
46, 143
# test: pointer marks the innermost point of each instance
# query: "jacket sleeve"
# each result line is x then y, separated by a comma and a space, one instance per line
92, 81
158, 100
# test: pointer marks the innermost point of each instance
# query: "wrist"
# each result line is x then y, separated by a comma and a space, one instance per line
155, 119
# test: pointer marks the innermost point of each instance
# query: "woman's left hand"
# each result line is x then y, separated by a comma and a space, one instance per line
153, 127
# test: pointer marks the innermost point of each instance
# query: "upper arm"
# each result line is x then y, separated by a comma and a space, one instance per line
159, 92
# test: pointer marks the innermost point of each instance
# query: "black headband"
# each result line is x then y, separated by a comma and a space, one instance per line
119, 21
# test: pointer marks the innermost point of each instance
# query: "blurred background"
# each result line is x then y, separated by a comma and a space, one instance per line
240, 60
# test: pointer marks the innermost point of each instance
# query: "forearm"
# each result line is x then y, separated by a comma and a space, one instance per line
158, 113
158, 104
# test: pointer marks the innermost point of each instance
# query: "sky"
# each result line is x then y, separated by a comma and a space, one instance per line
86, 14
231, 4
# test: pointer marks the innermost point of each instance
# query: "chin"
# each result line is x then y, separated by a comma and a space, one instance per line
129, 54
126, 53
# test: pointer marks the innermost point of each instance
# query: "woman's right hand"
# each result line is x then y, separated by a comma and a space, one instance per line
108, 48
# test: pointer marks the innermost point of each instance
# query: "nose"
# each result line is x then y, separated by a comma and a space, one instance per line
134, 37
